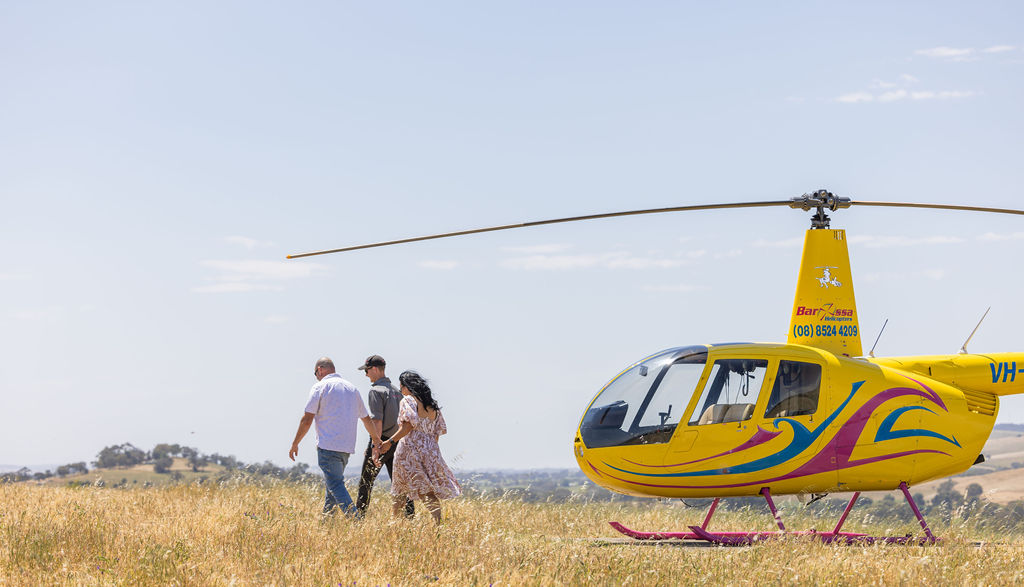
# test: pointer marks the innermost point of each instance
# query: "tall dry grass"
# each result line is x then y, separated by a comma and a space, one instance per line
273, 534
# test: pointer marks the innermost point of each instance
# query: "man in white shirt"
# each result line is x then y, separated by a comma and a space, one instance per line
335, 405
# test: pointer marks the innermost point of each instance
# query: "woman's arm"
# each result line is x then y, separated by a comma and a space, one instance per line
405, 429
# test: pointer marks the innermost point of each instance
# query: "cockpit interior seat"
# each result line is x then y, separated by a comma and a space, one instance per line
794, 405
738, 412
721, 413
713, 414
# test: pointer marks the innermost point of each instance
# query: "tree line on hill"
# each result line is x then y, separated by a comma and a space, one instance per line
161, 457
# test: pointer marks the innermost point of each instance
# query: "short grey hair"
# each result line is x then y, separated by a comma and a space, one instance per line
325, 363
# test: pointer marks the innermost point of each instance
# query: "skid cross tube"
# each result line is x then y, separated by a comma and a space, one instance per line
836, 536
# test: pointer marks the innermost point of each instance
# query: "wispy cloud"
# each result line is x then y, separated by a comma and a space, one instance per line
50, 314
929, 274
886, 91
248, 243
995, 237
963, 53
855, 97
235, 287
675, 288
13, 277
882, 242
254, 275
954, 53
899, 95
276, 319
612, 260
440, 265
787, 243
545, 249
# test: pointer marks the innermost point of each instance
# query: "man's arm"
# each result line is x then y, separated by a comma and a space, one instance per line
304, 424
373, 427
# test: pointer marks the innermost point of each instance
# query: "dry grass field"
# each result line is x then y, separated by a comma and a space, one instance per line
272, 533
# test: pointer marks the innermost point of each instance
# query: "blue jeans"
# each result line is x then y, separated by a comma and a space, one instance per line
332, 463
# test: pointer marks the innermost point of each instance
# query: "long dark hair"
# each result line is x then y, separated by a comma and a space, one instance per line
418, 387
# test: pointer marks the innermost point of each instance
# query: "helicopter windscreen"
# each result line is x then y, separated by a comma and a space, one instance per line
644, 404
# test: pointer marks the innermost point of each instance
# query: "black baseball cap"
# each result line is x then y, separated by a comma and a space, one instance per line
373, 361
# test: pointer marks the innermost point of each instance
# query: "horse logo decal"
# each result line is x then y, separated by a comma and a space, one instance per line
826, 279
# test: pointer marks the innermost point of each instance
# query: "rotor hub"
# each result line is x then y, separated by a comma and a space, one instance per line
819, 201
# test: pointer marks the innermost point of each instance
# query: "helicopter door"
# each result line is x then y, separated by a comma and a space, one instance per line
730, 393
795, 397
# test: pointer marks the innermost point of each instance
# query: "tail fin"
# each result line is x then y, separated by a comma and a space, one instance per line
824, 311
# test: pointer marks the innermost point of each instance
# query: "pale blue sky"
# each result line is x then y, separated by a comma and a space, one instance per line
157, 162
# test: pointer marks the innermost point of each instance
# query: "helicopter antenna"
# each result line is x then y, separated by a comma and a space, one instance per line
871, 353
963, 349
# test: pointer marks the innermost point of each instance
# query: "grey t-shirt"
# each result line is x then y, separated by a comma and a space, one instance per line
383, 399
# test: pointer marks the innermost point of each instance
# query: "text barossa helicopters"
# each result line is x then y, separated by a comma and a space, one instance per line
810, 416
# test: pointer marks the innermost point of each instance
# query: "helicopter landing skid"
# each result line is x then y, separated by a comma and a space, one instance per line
745, 538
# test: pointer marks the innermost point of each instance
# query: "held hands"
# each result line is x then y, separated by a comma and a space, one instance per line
379, 448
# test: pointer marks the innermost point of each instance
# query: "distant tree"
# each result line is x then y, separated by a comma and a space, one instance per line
229, 462
974, 491
122, 455
945, 496
197, 461
22, 474
163, 464
165, 450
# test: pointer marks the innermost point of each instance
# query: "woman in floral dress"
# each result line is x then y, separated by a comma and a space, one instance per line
420, 472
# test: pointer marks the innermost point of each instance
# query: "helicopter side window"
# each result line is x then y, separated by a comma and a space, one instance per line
730, 392
795, 392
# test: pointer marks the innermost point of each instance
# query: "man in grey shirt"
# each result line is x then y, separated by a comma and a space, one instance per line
383, 399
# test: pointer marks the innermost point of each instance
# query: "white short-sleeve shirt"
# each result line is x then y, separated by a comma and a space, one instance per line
336, 406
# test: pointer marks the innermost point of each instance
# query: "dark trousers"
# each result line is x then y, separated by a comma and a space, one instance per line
369, 475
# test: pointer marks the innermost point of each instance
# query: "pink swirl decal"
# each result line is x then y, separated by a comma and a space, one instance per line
760, 437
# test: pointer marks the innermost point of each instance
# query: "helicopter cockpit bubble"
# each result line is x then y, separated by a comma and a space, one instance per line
644, 403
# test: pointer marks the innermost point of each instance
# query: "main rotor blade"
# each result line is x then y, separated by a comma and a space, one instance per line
938, 207
552, 221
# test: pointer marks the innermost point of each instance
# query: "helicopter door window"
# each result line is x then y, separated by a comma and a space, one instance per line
795, 392
730, 392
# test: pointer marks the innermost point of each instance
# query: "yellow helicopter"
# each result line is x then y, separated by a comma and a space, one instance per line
808, 417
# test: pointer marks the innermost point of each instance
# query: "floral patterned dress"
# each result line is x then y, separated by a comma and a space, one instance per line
419, 468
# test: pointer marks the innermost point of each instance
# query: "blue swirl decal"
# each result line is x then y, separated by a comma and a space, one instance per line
885, 431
